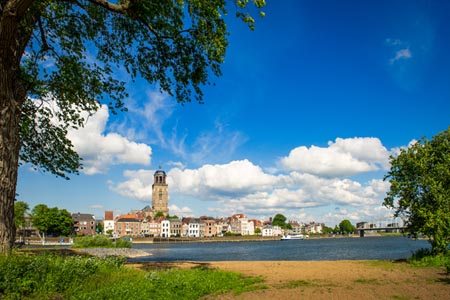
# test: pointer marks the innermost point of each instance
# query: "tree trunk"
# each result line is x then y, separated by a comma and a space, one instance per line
9, 153
12, 97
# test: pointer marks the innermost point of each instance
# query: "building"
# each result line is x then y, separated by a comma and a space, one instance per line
165, 229
127, 226
160, 193
210, 228
84, 224
195, 228
108, 222
175, 227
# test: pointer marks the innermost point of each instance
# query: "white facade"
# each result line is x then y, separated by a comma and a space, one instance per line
165, 229
247, 228
108, 225
194, 230
269, 230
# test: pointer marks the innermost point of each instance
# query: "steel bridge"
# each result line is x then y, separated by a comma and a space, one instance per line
386, 224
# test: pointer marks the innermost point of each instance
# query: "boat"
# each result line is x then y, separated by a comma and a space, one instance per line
292, 237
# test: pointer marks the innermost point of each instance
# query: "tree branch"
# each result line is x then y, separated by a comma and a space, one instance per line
116, 8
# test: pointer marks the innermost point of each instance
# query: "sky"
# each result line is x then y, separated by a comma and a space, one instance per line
302, 122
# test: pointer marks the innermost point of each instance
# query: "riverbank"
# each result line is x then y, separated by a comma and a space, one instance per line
329, 279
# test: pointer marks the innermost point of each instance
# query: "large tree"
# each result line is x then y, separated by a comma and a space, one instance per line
346, 226
420, 189
67, 53
51, 221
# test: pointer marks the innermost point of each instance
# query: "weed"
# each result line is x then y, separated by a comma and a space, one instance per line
75, 277
367, 281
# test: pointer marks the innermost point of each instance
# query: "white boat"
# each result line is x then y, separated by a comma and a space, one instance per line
292, 237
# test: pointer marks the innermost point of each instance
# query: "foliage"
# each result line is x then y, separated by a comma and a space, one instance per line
346, 226
99, 241
336, 229
326, 230
20, 208
279, 220
258, 230
420, 189
176, 44
159, 214
61, 60
425, 258
174, 217
38, 275
55, 277
100, 227
52, 221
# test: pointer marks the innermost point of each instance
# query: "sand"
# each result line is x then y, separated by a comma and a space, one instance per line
290, 280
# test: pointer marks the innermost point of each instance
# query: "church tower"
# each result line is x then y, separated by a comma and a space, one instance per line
160, 193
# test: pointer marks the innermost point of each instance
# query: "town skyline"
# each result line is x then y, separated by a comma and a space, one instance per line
309, 108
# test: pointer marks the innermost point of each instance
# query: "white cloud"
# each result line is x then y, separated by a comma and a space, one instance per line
243, 187
344, 157
401, 54
137, 186
96, 206
180, 211
401, 50
216, 145
100, 151
217, 180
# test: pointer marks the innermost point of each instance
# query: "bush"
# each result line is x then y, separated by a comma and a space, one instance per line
99, 241
424, 258
76, 277
28, 275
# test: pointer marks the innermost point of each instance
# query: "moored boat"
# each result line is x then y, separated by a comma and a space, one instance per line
292, 237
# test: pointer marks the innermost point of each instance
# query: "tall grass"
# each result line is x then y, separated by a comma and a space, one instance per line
424, 258
55, 277
99, 241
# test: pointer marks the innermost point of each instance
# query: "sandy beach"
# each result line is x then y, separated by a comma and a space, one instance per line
332, 279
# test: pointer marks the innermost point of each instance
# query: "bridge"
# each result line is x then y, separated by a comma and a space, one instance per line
386, 224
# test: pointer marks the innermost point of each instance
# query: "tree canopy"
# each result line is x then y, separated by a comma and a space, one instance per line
52, 221
20, 209
279, 220
60, 60
420, 189
346, 226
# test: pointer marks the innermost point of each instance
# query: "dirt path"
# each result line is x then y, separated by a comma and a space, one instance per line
338, 280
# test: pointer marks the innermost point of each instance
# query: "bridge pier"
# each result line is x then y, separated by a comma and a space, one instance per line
361, 233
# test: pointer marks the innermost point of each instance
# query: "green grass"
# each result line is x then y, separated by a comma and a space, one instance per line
76, 277
424, 258
99, 241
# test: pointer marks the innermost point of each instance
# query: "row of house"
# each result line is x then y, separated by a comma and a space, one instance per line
138, 224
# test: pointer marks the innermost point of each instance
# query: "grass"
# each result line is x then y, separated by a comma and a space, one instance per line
424, 258
75, 277
99, 241
367, 281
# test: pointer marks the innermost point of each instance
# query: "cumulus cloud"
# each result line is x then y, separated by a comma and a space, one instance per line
344, 157
101, 150
138, 185
312, 181
227, 179
180, 211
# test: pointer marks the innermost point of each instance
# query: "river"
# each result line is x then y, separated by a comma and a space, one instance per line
367, 248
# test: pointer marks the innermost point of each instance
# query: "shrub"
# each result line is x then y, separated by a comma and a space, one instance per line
424, 258
76, 277
28, 275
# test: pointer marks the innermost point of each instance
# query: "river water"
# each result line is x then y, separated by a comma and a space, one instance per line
367, 248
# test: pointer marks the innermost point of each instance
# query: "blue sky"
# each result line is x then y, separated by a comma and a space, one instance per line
302, 122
